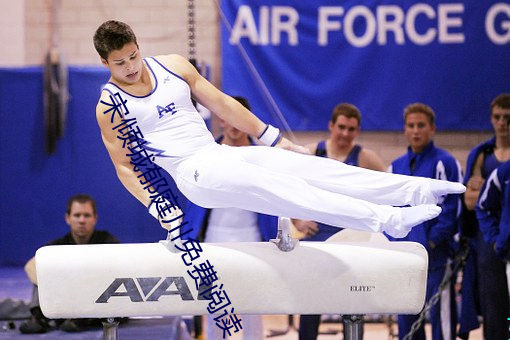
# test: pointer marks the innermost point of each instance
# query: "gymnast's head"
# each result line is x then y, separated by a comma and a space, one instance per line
112, 36
116, 44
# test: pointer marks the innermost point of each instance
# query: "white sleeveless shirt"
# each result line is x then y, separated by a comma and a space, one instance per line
166, 117
232, 225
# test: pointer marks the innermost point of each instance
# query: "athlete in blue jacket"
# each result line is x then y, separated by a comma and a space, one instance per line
493, 211
469, 310
484, 276
424, 159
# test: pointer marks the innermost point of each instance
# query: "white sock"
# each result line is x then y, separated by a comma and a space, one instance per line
412, 216
442, 188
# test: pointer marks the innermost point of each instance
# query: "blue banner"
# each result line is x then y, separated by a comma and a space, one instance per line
297, 59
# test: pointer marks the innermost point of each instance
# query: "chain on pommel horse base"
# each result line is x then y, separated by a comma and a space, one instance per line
352, 273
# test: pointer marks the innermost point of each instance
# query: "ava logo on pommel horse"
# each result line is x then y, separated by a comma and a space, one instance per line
152, 289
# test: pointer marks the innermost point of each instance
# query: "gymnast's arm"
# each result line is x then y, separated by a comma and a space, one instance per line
224, 106
117, 153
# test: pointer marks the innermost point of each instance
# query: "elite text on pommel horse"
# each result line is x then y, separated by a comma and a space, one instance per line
349, 277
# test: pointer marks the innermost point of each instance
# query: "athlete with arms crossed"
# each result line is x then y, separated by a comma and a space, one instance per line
270, 180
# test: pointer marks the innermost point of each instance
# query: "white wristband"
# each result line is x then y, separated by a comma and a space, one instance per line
270, 136
153, 208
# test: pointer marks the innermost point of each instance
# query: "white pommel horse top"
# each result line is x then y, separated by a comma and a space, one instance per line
339, 276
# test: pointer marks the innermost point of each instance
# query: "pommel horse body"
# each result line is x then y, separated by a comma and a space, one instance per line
335, 277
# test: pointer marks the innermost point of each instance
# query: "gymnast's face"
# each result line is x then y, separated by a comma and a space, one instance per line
125, 64
419, 131
344, 131
82, 221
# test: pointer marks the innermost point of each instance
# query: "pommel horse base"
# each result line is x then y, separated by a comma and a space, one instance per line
350, 277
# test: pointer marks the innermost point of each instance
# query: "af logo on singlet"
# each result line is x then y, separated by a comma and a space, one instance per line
164, 110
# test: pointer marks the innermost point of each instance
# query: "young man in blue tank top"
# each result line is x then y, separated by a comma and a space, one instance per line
344, 127
265, 179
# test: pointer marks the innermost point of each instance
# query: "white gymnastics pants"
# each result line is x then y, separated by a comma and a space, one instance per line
278, 182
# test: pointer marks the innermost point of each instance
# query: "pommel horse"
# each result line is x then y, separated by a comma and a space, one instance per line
349, 275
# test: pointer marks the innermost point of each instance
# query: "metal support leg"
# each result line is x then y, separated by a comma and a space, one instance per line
353, 327
110, 329
284, 240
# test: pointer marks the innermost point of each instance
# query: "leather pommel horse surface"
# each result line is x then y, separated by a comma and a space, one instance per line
125, 280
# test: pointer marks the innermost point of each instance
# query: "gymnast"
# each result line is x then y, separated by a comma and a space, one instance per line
277, 178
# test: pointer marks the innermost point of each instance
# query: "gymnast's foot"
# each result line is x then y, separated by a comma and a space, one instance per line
412, 216
436, 191
442, 188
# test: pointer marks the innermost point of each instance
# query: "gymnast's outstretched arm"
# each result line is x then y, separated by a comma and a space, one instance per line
224, 106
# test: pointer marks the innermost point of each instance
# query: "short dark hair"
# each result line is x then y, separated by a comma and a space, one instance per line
502, 100
420, 108
112, 35
81, 198
348, 110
